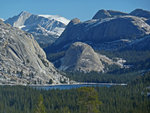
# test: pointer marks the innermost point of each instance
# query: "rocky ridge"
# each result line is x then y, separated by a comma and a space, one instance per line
102, 14
100, 33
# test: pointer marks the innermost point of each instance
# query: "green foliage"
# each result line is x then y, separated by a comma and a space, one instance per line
40, 108
116, 99
137, 59
66, 110
55, 56
102, 77
88, 100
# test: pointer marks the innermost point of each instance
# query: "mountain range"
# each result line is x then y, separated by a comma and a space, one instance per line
107, 30
45, 28
110, 41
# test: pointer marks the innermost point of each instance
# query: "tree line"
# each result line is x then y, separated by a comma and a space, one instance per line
132, 98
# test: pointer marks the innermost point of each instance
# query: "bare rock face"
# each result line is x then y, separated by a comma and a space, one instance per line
101, 31
22, 61
81, 57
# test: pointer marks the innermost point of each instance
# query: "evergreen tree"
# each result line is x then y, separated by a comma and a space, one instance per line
40, 108
88, 100
66, 110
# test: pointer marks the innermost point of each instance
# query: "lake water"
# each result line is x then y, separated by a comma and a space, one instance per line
76, 86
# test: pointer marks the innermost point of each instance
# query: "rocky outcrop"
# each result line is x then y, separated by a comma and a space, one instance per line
22, 61
81, 57
45, 28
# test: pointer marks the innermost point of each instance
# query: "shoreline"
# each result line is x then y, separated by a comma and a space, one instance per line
51, 85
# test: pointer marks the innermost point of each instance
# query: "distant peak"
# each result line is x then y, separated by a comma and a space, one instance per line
75, 21
56, 17
50, 16
138, 9
102, 14
24, 13
102, 10
114, 12
2, 19
141, 13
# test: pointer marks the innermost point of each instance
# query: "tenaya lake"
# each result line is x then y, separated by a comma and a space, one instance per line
71, 86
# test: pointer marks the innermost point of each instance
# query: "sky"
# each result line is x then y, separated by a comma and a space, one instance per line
82, 9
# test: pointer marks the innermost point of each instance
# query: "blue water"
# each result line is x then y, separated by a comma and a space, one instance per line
62, 87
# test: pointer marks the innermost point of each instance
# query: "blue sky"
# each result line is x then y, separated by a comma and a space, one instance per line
82, 9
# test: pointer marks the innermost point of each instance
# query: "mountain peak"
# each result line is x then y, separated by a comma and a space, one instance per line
141, 13
99, 31
138, 9
101, 14
45, 28
1, 19
75, 21
56, 17
24, 13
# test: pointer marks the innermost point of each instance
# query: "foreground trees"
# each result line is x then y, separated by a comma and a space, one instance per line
88, 100
40, 108
132, 98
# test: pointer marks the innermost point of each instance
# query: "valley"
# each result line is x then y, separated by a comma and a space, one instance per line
87, 51
50, 64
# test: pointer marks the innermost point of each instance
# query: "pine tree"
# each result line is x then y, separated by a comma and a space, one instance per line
40, 108
88, 100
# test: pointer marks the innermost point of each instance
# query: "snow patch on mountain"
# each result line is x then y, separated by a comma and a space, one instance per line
45, 28
20, 27
2, 19
56, 17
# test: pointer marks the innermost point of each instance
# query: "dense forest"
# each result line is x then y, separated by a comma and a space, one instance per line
133, 98
103, 77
